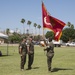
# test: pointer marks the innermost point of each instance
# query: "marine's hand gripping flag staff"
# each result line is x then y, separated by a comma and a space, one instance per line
52, 23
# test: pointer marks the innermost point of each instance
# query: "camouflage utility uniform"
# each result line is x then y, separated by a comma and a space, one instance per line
23, 53
50, 54
30, 45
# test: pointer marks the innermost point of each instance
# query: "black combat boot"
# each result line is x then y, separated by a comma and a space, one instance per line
49, 69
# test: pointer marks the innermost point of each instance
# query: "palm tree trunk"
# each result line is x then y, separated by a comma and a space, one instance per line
23, 29
29, 29
35, 30
39, 31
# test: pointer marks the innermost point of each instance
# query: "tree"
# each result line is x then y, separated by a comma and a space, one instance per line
7, 31
23, 21
37, 38
70, 25
27, 31
39, 28
15, 38
35, 27
49, 34
29, 23
68, 34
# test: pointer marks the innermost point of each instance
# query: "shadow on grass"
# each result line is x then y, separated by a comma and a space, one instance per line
35, 68
57, 69
5, 55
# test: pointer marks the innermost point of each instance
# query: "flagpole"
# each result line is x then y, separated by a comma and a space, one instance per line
42, 21
43, 34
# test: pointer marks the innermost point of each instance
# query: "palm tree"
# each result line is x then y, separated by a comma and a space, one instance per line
35, 27
29, 23
69, 24
7, 31
39, 28
72, 26
27, 31
23, 21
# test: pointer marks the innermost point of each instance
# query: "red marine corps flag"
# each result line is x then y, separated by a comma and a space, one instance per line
52, 23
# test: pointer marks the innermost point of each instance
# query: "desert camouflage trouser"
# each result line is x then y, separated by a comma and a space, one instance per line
30, 60
49, 60
23, 60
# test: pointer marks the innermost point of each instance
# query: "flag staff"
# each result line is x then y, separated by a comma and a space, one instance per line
42, 20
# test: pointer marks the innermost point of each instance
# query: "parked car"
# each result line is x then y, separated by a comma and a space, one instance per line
57, 43
70, 44
36, 42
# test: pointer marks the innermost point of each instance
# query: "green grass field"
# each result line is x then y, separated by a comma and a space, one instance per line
63, 62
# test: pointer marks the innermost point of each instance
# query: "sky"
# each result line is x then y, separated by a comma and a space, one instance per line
12, 11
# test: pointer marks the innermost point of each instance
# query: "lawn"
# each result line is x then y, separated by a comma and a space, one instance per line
63, 62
